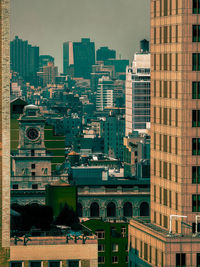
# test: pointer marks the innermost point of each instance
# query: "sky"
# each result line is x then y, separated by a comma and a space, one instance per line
118, 24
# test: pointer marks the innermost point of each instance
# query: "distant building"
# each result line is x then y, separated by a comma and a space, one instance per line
104, 97
24, 59
80, 55
44, 60
48, 74
104, 53
113, 133
137, 93
137, 156
120, 64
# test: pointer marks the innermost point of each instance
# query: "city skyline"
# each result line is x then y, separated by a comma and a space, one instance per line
120, 28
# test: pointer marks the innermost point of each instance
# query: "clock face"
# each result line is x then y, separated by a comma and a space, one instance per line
32, 133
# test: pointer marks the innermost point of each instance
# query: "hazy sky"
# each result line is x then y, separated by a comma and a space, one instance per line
119, 24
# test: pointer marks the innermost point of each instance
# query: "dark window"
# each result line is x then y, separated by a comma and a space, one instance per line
194, 227
165, 224
195, 203
54, 264
196, 7
196, 61
114, 259
195, 90
80, 210
33, 166
111, 209
128, 209
15, 186
94, 210
165, 197
73, 263
180, 260
33, 174
196, 118
165, 7
196, 33
154, 8
101, 259
195, 146
16, 264
165, 61
35, 264
198, 259
145, 251
176, 201
144, 209
195, 174
34, 186
32, 153
156, 257
165, 34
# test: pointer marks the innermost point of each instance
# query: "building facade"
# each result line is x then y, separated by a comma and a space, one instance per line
104, 53
137, 93
104, 97
171, 237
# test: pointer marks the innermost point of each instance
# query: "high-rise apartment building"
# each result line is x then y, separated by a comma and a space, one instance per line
104, 53
48, 74
138, 93
80, 55
104, 97
24, 59
171, 237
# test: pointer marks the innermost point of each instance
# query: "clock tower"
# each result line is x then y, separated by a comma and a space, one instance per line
32, 158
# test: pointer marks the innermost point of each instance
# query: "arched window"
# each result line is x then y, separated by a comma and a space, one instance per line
94, 209
80, 210
144, 209
128, 209
111, 209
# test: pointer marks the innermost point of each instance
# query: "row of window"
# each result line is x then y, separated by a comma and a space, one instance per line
115, 247
166, 116
166, 143
163, 221
101, 233
115, 259
165, 8
70, 263
166, 61
166, 170
164, 197
167, 34
166, 89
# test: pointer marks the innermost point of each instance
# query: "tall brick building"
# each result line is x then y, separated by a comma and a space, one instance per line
175, 142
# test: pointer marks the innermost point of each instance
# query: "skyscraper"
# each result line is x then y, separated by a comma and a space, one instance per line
104, 53
24, 59
171, 238
138, 93
104, 96
80, 55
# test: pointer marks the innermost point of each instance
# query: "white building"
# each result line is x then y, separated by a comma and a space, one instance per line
104, 97
138, 93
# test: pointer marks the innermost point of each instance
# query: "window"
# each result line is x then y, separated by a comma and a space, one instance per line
73, 263
33, 175
15, 186
156, 257
165, 7
198, 259
195, 33
196, 61
154, 140
34, 186
176, 173
177, 7
165, 89
176, 226
154, 35
101, 259
154, 61
170, 7
154, 167
150, 252
123, 231
160, 115
170, 117
115, 247
195, 146
176, 33
54, 264
176, 145
100, 234
196, 7
176, 62
35, 264
154, 88
180, 260
160, 88
170, 199
141, 249
170, 34
145, 251
160, 219
160, 195
176, 201
170, 63
165, 61
33, 166
154, 195
162, 259
32, 152
101, 247
195, 174
195, 90
165, 34
160, 8
176, 90
114, 259
165, 116
154, 8
154, 114
165, 170
176, 117
16, 264
160, 168
136, 252
195, 203
196, 118
165, 197
154, 217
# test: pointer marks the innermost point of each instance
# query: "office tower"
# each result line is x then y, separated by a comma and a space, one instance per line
80, 56
24, 59
171, 237
104, 53
144, 45
138, 93
48, 74
44, 60
104, 96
